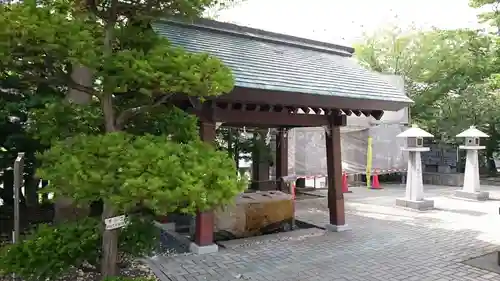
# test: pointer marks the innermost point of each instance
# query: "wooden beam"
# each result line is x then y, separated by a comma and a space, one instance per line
236, 101
347, 112
356, 112
266, 119
316, 110
339, 120
377, 114
258, 96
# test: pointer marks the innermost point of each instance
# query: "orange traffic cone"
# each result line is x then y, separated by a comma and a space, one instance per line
345, 184
375, 182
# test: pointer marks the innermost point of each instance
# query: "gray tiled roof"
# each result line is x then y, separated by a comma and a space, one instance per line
264, 60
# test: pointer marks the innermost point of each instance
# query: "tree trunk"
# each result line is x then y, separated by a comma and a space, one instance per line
30, 189
109, 245
491, 147
109, 237
230, 145
64, 208
236, 154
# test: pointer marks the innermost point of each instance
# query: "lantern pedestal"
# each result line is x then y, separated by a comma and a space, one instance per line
422, 205
477, 196
471, 187
414, 198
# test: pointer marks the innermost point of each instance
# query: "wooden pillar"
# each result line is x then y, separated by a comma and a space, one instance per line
260, 162
334, 168
204, 233
255, 170
281, 157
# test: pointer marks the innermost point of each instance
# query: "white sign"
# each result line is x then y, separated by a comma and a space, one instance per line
115, 222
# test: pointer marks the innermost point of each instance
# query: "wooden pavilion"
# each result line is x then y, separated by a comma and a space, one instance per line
282, 82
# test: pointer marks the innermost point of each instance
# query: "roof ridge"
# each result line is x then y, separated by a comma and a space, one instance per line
273, 37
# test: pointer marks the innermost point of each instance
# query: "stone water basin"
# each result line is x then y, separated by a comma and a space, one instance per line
254, 214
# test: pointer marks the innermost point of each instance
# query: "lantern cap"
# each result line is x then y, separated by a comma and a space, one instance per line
472, 132
414, 132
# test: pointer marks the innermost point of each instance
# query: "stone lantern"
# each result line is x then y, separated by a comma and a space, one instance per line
471, 187
414, 198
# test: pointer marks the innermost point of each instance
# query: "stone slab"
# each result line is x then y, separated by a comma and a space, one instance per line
416, 205
337, 228
478, 196
486, 262
170, 226
201, 250
298, 234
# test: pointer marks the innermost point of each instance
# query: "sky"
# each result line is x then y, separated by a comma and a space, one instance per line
345, 21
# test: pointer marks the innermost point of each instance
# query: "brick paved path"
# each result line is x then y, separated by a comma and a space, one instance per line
386, 244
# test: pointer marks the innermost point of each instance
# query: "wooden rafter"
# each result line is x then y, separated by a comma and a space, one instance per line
272, 113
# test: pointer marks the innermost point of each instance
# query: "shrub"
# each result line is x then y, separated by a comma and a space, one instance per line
50, 251
53, 250
140, 237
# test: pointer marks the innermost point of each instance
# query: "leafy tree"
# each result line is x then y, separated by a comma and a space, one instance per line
150, 171
491, 15
243, 144
448, 73
16, 100
134, 73
441, 69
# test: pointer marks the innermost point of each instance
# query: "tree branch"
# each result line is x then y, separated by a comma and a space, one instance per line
92, 6
131, 112
62, 80
79, 87
66, 80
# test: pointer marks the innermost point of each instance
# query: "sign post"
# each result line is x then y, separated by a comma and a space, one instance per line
18, 183
115, 222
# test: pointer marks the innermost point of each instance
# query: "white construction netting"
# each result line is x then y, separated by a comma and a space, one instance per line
307, 150
307, 147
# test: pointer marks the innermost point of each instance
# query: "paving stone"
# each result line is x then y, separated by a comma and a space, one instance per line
386, 243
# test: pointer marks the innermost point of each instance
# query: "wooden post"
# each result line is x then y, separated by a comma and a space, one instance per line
204, 231
334, 168
260, 161
281, 158
18, 182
